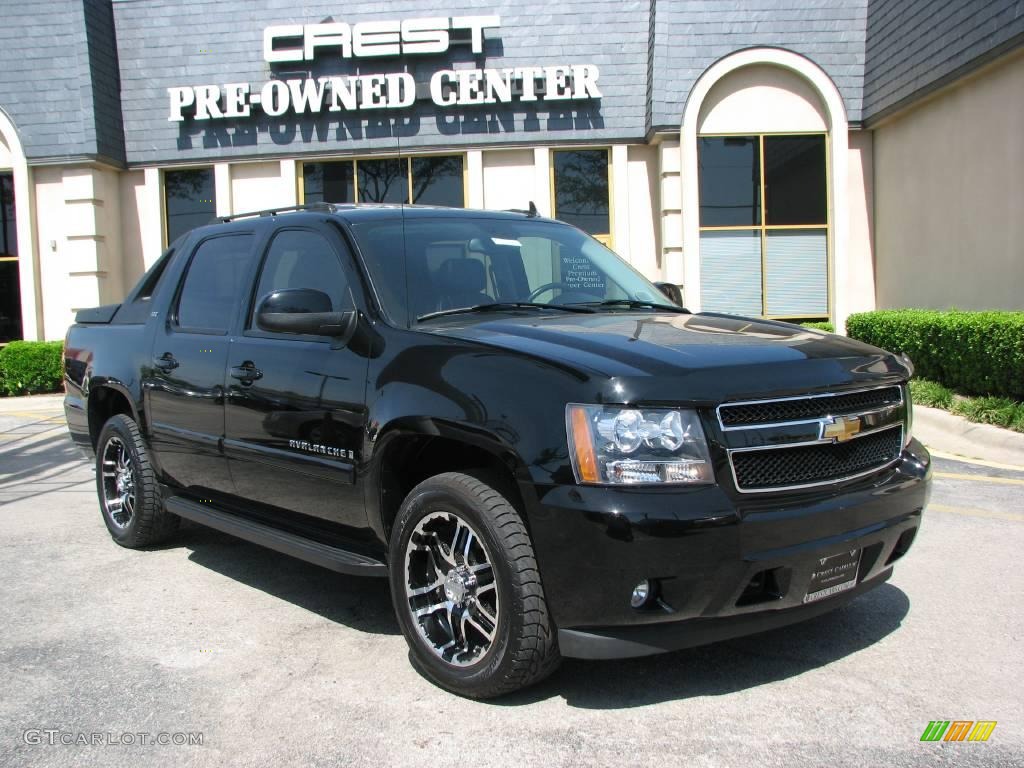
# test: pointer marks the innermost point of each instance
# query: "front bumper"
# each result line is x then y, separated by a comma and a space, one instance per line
725, 565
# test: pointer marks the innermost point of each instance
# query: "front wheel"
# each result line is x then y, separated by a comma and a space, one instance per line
467, 590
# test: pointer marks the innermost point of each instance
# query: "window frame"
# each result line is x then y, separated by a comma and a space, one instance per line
762, 229
173, 318
348, 268
300, 172
607, 239
164, 216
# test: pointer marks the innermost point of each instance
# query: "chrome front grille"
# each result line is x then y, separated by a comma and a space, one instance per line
801, 442
774, 469
735, 415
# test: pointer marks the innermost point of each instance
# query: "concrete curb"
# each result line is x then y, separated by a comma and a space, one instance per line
949, 433
52, 402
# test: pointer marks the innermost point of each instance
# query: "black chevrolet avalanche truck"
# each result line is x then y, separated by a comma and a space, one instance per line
544, 453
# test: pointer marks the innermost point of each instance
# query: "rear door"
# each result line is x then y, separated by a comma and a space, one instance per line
185, 384
295, 412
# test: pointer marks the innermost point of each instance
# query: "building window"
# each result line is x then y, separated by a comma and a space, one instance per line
10, 284
764, 225
581, 190
188, 200
427, 180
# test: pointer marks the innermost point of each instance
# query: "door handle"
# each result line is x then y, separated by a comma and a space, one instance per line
247, 372
165, 362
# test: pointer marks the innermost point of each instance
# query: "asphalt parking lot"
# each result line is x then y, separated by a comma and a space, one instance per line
276, 662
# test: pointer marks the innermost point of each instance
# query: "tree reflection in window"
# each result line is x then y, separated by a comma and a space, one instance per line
582, 190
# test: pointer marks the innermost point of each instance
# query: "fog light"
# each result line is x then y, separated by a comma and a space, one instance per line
641, 592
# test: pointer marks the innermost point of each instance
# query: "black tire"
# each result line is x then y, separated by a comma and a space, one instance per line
524, 649
148, 523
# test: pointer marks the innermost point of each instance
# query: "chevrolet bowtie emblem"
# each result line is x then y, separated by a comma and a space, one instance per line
841, 428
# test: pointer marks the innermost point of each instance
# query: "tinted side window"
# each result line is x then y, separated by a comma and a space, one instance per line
304, 259
214, 283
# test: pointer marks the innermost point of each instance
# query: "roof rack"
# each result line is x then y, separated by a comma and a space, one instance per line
325, 207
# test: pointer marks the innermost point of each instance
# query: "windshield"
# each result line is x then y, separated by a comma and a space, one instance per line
456, 263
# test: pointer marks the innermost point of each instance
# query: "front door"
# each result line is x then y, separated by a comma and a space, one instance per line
185, 383
295, 409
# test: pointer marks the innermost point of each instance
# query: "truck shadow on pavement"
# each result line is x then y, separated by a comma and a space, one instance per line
360, 603
365, 604
726, 667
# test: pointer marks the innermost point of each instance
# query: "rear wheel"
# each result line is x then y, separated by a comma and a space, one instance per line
126, 484
467, 591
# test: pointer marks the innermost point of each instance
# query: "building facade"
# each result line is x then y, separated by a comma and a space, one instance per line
794, 160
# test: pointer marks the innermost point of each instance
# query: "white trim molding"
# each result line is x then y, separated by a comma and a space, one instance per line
838, 130
28, 258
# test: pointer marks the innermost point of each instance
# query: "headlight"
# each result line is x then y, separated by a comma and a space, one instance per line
619, 445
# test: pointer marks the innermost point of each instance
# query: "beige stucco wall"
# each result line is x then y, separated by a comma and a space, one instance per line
762, 98
80, 242
860, 280
949, 197
50, 234
642, 247
257, 187
134, 222
508, 178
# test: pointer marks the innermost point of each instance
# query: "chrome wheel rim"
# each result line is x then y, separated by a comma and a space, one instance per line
118, 483
450, 589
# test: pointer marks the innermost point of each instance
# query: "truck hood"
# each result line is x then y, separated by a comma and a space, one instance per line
701, 358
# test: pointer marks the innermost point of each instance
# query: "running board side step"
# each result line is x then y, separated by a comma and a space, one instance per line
333, 558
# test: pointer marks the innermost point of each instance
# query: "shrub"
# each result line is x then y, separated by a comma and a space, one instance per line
930, 393
31, 367
823, 326
1000, 411
977, 353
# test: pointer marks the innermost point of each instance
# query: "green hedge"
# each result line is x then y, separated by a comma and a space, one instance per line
973, 353
31, 367
822, 326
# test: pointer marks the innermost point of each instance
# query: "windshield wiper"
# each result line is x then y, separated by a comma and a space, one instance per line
498, 306
635, 304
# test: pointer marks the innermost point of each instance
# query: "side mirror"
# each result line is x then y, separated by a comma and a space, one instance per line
303, 310
672, 292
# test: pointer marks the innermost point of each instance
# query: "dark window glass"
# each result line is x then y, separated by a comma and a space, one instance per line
10, 301
8, 227
151, 279
730, 183
304, 259
214, 282
581, 189
429, 265
794, 170
327, 182
188, 196
10, 286
383, 181
438, 181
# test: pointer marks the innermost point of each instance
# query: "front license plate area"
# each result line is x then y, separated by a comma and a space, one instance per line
833, 574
